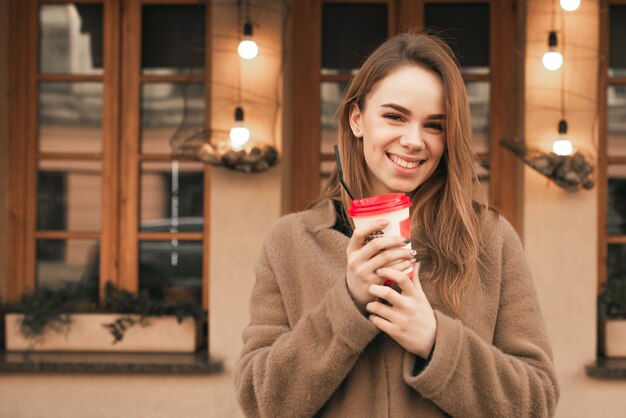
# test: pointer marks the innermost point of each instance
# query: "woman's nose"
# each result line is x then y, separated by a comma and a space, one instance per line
412, 138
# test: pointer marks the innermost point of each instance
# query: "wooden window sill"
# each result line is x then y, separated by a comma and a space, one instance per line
108, 363
607, 368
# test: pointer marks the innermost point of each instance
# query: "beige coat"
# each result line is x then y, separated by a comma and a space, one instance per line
309, 351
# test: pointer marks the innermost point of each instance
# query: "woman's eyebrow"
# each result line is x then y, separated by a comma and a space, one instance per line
397, 107
407, 112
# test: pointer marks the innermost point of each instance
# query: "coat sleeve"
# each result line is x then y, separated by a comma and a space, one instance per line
293, 371
514, 375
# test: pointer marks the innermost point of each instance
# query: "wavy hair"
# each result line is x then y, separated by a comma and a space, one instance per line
447, 208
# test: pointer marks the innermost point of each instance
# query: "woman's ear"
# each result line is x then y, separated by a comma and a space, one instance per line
356, 121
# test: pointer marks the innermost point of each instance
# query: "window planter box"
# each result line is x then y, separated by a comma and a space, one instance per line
615, 338
87, 334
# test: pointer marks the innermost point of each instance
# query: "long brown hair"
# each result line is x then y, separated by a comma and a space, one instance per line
445, 214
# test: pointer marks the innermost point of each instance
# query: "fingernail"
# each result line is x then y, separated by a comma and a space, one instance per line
413, 260
413, 253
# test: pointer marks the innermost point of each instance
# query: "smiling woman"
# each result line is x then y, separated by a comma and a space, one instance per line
402, 142
463, 336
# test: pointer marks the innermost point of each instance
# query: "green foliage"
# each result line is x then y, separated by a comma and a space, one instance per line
614, 297
144, 305
52, 308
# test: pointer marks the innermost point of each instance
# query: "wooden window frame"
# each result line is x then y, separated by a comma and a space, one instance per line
119, 235
604, 160
505, 171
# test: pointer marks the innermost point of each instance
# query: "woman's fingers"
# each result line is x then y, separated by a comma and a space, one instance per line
401, 265
389, 258
392, 296
360, 235
386, 293
368, 239
380, 309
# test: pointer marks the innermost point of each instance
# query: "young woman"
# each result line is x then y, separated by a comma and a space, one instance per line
464, 337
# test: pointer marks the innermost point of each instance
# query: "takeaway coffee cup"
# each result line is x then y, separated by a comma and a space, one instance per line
394, 207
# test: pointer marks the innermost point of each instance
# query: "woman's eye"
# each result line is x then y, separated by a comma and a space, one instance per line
436, 126
393, 116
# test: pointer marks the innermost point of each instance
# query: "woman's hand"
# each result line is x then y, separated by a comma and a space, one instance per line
410, 319
365, 258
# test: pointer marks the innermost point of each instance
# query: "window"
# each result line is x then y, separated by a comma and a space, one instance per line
104, 92
612, 159
332, 41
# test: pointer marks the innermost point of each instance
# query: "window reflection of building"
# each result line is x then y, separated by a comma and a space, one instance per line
67, 37
616, 100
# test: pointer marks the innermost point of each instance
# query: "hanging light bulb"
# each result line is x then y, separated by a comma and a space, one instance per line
239, 134
562, 146
552, 59
247, 49
570, 5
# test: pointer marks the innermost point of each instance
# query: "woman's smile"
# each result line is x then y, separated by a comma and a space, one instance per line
408, 164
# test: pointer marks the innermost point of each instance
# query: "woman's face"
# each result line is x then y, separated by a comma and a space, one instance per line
402, 129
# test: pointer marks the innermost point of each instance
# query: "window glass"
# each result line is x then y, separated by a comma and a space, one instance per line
349, 33
617, 34
69, 195
465, 27
482, 170
70, 117
172, 196
67, 260
616, 129
478, 93
331, 95
326, 168
172, 39
616, 200
172, 269
70, 38
617, 261
170, 112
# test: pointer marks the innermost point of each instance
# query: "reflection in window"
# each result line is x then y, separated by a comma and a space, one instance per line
350, 32
331, 95
616, 108
176, 47
70, 117
617, 34
478, 93
171, 270
172, 196
616, 262
69, 195
465, 27
167, 107
60, 261
616, 205
326, 168
70, 40
482, 170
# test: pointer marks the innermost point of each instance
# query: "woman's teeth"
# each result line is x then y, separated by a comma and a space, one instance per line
403, 163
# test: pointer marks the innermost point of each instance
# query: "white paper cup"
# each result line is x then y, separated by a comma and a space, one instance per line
394, 207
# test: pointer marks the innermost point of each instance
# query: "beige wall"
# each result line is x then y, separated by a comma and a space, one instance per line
560, 227
3, 144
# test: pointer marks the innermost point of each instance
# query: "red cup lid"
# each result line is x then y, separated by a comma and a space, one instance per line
376, 205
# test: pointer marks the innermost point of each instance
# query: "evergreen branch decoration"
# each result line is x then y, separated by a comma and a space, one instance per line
571, 172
